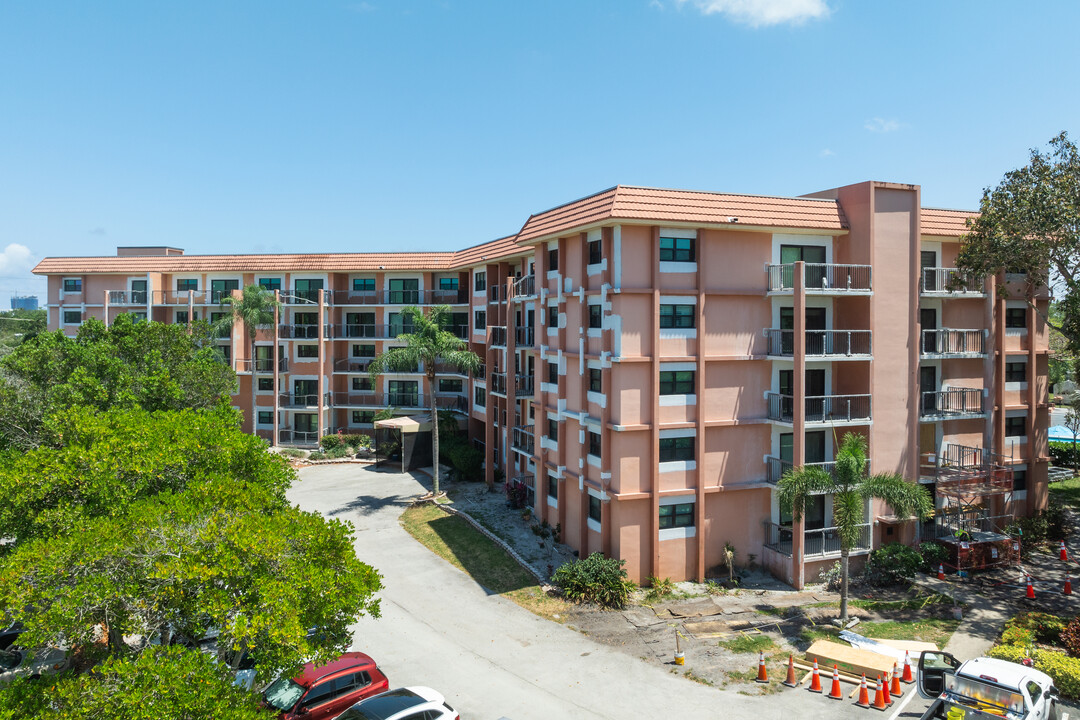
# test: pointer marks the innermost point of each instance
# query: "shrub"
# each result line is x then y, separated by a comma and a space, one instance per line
832, 577
338, 452
893, 563
659, 587
517, 495
358, 441
1063, 454
932, 556
1064, 670
1070, 637
329, 442
595, 579
316, 455
1057, 524
1045, 627
1032, 530
1017, 636
466, 460
293, 453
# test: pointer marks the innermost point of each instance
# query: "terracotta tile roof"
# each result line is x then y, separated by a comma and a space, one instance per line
323, 262
624, 202
950, 223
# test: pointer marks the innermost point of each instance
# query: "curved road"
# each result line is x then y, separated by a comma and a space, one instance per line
489, 657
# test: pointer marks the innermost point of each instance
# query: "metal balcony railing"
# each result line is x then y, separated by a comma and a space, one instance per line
821, 343
263, 365
524, 384
351, 330
498, 336
949, 281
293, 400
523, 337
302, 331
775, 468
496, 293
522, 439
297, 437
497, 383
352, 364
821, 542
952, 403
946, 342
822, 409
822, 278
121, 297
459, 331
451, 402
371, 399
303, 297
525, 287
179, 297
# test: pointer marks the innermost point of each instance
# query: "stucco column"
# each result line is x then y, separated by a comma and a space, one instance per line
700, 408
798, 413
654, 425
322, 359
277, 362
511, 381
106, 292
1034, 499
190, 308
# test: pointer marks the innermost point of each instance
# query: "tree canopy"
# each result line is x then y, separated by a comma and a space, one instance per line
1030, 224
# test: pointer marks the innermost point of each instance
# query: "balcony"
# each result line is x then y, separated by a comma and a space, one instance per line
461, 332
379, 331
352, 364
304, 297
303, 332
952, 404
525, 288
822, 344
522, 439
451, 402
298, 437
524, 385
262, 365
498, 336
821, 279
775, 468
823, 542
523, 337
497, 383
371, 399
293, 400
397, 297
496, 293
949, 282
120, 297
822, 409
947, 343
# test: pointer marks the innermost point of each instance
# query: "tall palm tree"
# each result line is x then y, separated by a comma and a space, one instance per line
254, 308
427, 344
851, 489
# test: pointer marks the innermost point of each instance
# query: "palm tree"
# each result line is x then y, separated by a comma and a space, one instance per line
427, 343
254, 307
851, 488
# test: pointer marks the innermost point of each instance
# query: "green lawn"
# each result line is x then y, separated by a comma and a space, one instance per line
1067, 492
461, 545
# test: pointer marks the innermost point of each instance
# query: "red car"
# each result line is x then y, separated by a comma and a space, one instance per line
326, 691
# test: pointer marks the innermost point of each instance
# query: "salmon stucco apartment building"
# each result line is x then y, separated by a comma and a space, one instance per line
655, 360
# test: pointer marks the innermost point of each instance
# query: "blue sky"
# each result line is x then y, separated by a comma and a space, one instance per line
361, 125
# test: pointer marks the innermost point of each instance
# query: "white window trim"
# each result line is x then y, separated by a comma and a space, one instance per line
598, 398
679, 533
674, 266
677, 400
592, 460
677, 465
670, 333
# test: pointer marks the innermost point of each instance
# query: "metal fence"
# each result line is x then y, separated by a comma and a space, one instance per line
821, 542
820, 343
822, 278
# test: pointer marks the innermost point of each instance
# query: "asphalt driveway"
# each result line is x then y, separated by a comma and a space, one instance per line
491, 658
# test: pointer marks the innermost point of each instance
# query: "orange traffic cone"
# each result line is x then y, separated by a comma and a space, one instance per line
815, 680
895, 689
1067, 590
834, 692
762, 676
1063, 553
790, 682
885, 688
879, 696
864, 695
1030, 595
940, 572
908, 677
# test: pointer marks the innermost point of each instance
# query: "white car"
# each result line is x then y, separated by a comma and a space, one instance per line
17, 663
411, 703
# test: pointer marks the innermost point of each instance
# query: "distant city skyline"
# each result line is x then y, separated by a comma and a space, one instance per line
431, 124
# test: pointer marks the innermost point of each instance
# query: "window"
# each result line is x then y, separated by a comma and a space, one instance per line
307, 351
187, 284
1016, 318
222, 289
72, 317
553, 487
676, 382
404, 393
270, 284
479, 396
73, 285
480, 319
594, 508
805, 253
676, 516
308, 289
363, 284
404, 291
1015, 372
360, 324
480, 281
360, 417
1019, 480
361, 384
553, 430
400, 324
553, 259
596, 316
594, 444
266, 384
138, 317
595, 381
594, 252
677, 249
676, 316
182, 317
363, 351
448, 283
676, 448
266, 417
553, 316
1016, 426
450, 386
553, 373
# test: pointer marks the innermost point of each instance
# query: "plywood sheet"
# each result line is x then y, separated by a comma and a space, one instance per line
848, 658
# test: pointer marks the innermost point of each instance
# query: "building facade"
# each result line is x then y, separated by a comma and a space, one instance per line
24, 302
656, 359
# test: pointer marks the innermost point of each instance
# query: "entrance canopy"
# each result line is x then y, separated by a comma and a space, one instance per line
1060, 433
406, 423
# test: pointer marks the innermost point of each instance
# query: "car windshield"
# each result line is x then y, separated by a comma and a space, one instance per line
282, 694
9, 660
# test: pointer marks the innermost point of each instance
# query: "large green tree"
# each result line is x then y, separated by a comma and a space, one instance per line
428, 343
1030, 224
155, 366
254, 308
851, 489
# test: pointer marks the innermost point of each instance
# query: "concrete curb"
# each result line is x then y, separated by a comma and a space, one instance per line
545, 585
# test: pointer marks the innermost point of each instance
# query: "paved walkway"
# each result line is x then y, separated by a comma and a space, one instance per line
983, 619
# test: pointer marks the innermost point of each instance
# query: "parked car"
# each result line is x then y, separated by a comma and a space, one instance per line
984, 689
20, 663
327, 690
9, 634
411, 703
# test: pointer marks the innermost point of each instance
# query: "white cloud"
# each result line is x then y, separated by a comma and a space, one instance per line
826, 153
758, 13
881, 125
16, 261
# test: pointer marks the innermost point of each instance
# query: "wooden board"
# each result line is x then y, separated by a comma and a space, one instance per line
847, 658
913, 646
